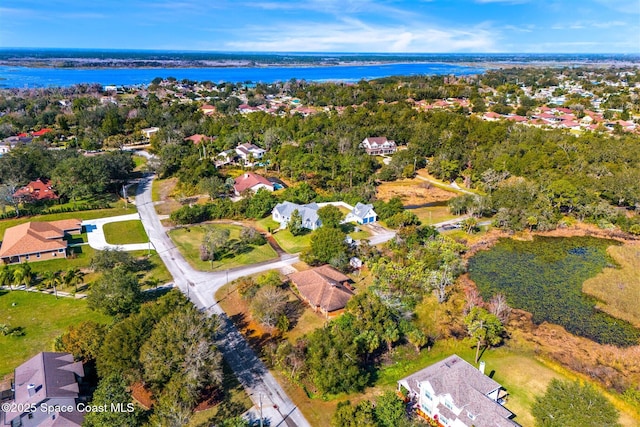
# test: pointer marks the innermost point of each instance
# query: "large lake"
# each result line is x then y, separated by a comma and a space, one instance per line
25, 77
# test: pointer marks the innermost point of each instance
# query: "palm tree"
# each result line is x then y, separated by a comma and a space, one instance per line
73, 277
22, 275
51, 279
6, 277
153, 282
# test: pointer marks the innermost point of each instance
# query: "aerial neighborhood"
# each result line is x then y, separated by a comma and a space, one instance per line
414, 250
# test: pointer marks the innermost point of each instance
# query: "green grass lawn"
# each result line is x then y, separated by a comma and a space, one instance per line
287, 241
43, 318
188, 240
83, 215
433, 214
292, 244
155, 190
125, 232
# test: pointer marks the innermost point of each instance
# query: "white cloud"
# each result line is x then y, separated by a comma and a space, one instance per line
352, 35
625, 6
581, 25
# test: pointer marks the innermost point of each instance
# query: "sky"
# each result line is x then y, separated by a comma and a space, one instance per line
416, 26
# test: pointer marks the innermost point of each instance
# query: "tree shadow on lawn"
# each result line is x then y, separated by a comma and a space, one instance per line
257, 340
294, 310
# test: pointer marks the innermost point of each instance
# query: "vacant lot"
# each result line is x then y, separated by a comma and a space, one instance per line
413, 192
43, 318
433, 214
189, 239
619, 287
162, 191
125, 232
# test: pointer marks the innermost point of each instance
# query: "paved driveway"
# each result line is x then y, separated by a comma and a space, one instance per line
96, 237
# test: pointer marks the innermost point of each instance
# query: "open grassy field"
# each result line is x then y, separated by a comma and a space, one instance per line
618, 288
125, 232
43, 318
433, 214
98, 213
189, 239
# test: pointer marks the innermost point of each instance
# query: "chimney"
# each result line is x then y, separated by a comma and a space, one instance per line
246, 175
31, 388
481, 367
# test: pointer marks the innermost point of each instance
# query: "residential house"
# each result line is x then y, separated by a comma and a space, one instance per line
249, 152
44, 383
309, 212
37, 241
378, 146
456, 394
41, 132
149, 132
199, 138
225, 157
362, 214
36, 191
324, 288
10, 142
251, 181
208, 110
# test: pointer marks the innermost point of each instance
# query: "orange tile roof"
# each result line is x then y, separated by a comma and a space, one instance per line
323, 287
39, 189
33, 237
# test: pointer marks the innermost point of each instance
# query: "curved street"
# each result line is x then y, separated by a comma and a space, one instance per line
200, 287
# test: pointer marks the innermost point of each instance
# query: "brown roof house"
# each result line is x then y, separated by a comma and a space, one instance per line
324, 288
37, 190
37, 241
43, 385
456, 394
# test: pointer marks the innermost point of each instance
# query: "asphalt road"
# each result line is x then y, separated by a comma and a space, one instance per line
200, 287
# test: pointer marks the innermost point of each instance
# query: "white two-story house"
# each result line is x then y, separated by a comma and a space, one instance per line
456, 394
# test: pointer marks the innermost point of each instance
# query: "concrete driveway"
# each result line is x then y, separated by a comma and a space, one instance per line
97, 239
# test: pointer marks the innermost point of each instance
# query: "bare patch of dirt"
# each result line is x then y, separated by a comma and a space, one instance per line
413, 192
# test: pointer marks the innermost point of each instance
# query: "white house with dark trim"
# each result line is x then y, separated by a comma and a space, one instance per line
309, 212
456, 394
362, 214
379, 145
249, 152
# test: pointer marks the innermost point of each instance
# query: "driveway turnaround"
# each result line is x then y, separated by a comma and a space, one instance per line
97, 240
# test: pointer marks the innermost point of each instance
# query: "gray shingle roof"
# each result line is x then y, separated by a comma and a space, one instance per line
308, 212
360, 209
468, 388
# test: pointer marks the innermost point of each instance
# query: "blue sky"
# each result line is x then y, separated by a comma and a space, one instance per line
545, 26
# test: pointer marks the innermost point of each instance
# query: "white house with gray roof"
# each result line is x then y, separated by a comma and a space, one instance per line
45, 383
309, 212
362, 214
456, 394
